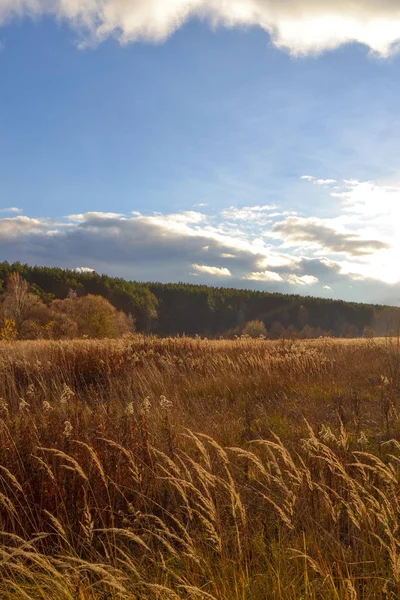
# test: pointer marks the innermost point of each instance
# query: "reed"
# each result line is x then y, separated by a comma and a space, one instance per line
186, 468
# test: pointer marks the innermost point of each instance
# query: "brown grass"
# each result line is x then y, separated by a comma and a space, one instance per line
180, 468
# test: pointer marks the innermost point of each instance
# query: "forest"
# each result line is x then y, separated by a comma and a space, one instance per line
59, 302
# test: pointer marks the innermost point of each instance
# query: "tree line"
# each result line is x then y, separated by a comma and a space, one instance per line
39, 302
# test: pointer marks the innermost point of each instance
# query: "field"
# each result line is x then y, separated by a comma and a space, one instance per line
195, 469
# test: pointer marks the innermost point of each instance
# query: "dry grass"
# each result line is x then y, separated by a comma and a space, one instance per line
191, 469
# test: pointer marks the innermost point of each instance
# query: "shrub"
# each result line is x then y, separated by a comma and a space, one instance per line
255, 329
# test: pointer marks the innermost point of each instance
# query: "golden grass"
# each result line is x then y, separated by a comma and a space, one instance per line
181, 468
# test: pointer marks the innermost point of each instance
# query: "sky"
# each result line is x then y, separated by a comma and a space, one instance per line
242, 143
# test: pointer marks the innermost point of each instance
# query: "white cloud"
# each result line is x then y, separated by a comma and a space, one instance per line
278, 260
325, 181
217, 271
327, 234
298, 26
12, 209
12, 227
267, 276
84, 270
370, 209
315, 181
248, 213
272, 277
93, 215
189, 217
303, 280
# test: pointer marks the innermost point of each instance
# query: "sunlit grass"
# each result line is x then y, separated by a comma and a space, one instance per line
181, 468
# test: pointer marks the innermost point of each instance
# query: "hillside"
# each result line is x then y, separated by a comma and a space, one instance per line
171, 309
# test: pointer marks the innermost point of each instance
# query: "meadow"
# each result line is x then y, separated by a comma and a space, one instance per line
195, 469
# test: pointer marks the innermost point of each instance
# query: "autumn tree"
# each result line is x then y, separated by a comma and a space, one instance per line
255, 329
38, 323
18, 304
8, 331
94, 316
63, 326
277, 330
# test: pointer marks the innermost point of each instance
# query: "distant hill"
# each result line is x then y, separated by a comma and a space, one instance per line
171, 309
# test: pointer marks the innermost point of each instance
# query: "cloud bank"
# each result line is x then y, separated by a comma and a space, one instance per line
315, 233
351, 255
299, 26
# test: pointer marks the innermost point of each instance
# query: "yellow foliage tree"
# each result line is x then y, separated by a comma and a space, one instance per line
9, 331
95, 316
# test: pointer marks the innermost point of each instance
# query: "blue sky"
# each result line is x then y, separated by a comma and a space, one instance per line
234, 143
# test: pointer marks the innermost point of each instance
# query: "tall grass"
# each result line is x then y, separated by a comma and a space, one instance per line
191, 469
